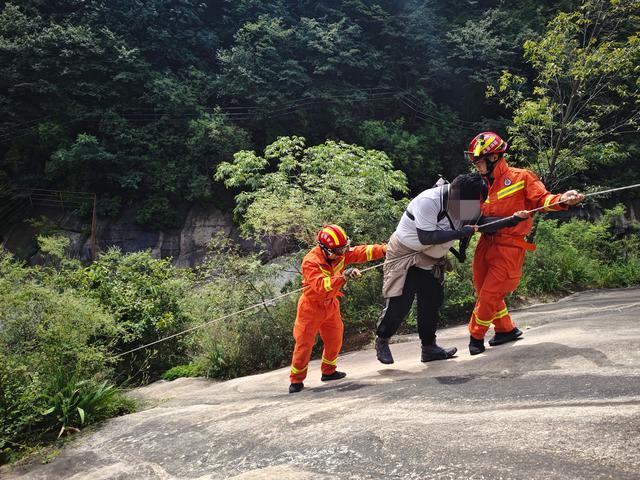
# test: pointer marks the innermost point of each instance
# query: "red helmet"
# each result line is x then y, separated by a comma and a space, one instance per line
485, 143
332, 237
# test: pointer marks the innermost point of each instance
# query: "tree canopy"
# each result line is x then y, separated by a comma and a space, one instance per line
311, 186
140, 101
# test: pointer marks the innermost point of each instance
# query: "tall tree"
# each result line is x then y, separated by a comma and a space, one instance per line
311, 186
585, 95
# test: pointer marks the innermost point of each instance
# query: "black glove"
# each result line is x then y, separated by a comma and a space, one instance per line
466, 231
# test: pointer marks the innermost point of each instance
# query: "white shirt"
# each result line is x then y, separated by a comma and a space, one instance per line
425, 208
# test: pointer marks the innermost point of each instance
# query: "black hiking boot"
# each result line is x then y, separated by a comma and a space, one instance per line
433, 351
383, 352
503, 337
476, 346
296, 387
334, 376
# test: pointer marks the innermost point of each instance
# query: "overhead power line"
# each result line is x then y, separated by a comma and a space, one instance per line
255, 113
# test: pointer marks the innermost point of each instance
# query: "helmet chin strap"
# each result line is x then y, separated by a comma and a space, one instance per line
325, 250
490, 166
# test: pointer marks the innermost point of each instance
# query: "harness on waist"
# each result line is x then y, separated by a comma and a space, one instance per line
510, 241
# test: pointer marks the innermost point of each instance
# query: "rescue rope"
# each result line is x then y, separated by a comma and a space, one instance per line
267, 302
601, 192
246, 309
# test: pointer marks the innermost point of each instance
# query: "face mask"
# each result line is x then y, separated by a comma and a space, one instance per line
464, 210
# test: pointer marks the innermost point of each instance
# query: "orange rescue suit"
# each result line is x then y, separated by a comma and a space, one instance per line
319, 308
498, 259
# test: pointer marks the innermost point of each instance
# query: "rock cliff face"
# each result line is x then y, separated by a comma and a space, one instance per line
187, 245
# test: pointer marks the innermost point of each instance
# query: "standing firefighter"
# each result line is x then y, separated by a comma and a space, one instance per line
498, 259
324, 274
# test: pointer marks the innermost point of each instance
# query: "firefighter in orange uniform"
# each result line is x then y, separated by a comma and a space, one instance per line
498, 259
323, 275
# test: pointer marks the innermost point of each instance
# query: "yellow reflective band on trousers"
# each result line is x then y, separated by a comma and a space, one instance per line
484, 323
327, 283
502, 313
510, 190
330, 362
295, 370
487, 323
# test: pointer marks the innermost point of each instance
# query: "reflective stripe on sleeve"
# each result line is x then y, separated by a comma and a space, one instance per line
338, 268
547, 201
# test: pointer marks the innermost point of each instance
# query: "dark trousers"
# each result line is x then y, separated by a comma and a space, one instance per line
430, 293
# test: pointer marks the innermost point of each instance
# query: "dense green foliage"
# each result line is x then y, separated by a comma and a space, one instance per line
329, 183
140, 101
146, 298
584, 92
50, 338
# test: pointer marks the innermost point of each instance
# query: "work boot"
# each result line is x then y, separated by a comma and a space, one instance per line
334, 376
476, 346
383, 352
433, 351
503, 337
296, 387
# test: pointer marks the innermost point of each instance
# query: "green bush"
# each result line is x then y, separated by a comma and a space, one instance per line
46, 334
179, 371
576, 255
73, 403
362, 304
21, 406
459, 293
253, 341
146, 298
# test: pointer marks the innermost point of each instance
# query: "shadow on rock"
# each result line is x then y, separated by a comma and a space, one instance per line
503, 362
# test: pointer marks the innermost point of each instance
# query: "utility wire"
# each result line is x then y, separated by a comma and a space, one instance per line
237, 113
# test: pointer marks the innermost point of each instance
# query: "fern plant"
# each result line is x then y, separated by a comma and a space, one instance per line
79, 402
